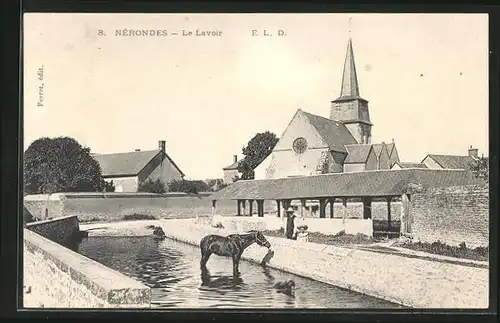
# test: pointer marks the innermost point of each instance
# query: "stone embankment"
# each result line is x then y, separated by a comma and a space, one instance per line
410, 281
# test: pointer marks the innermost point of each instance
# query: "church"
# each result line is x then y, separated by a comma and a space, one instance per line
313, 144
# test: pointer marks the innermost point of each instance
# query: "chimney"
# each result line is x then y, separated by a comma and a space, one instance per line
235, 158
473, 152
161, 145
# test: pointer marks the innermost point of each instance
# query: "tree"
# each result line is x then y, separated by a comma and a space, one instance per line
108, 186
60, 165
480, 168
151, 186
188, 186
257, 149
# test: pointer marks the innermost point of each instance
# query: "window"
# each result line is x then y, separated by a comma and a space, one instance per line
300, 145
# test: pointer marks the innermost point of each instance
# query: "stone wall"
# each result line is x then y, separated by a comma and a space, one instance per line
59, 230
44, 206
334, 226
114, 206
56, 277
408, 281
452, 215
272, 222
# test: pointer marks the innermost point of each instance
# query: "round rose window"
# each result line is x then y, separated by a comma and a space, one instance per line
300, 145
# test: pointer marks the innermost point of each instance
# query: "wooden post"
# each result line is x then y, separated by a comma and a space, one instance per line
310, 211
388, 199
302, 207
244, 203
367, 208
344, 207
213, 207
322, 207
278, 203
332, 203
260, 207
238, 203
405, 214
250, 207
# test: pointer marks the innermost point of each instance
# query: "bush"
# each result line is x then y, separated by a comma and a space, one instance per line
186, 186
460, 251
151, 186
135, 216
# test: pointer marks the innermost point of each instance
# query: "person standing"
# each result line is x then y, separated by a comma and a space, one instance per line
290, 227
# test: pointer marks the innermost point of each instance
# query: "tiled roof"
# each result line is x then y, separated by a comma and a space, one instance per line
452, 162
334, 133
411, 165
357, 153
127, 164
378, 149
368, 183
390, 147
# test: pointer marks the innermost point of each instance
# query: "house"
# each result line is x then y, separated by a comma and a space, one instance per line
434, 161
403, 165
128, 170
231, 172
360, 158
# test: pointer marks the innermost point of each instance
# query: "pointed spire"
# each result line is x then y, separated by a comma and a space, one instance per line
349, 77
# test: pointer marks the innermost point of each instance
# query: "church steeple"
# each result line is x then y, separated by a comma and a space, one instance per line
350, 108
350, 87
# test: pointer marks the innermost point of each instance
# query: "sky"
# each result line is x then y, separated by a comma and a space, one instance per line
425, 77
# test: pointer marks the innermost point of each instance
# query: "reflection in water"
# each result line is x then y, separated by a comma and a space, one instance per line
172, 270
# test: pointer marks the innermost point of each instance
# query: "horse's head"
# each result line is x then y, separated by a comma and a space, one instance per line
261, 240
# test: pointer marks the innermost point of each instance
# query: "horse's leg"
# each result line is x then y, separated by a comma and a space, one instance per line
205, 255
236, 262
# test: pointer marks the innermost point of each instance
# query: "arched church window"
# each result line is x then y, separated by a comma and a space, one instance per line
300, 145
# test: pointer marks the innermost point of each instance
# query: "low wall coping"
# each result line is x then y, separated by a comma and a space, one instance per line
104, 195
37, 223
106, 283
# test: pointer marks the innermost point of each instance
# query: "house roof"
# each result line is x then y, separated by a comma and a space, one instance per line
129, 163
378, 149
410, 165
452, 161
368, 183
334, 133
233, 165
357, 153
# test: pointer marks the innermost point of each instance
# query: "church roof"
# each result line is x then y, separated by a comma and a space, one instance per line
128, 163
357, 153
378, 148
334, 133
350, 87
356, 184
391, 148
452, 161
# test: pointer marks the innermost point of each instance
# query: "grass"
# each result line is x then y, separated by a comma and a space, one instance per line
340, 238
136, 216
439, 248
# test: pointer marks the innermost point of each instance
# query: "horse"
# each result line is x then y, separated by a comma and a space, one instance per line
231, 246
